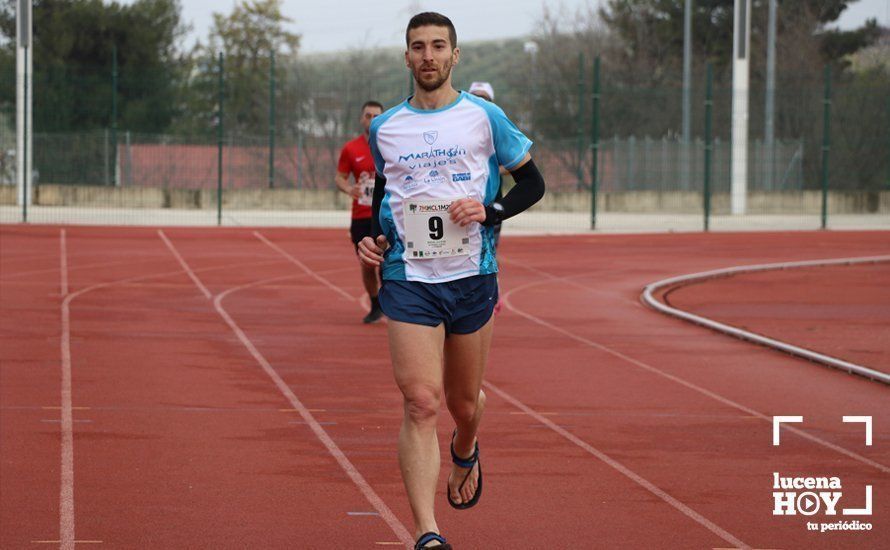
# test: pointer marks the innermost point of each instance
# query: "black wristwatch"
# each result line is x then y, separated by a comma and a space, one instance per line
494, 214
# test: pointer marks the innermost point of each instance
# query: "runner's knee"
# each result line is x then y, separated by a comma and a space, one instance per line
462, 408
421, 404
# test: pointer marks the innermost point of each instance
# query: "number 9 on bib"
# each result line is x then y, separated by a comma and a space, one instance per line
430, 233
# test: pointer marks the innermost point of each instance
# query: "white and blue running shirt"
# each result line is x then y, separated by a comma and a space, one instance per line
430, 158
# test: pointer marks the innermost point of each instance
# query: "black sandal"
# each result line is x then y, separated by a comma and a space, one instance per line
465, 463
429, 537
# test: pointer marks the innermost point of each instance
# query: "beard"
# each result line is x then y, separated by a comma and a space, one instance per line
431, 85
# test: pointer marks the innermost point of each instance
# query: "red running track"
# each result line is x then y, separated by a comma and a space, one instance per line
223, 394
842, 311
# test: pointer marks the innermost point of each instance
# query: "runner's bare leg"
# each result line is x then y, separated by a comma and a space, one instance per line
465, 358
417, 352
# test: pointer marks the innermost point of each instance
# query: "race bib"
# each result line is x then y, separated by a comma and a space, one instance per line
430, 233
366, 188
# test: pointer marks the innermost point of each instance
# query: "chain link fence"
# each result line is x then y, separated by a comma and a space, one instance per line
270, 157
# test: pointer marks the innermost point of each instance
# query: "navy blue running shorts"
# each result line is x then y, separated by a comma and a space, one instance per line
463, 305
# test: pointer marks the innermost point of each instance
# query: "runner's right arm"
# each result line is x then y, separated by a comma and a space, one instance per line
342, 181
376, 202
371, 248
344, 167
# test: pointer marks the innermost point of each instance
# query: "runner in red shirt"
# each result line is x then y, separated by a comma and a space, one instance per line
355, 159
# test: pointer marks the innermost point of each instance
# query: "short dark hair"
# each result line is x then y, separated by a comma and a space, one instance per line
372, 103
432, 18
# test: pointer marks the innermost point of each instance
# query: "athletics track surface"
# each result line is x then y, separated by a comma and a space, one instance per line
224, 395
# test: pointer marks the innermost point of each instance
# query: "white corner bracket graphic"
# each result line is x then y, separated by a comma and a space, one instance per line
861, 511
777, 423
864, 420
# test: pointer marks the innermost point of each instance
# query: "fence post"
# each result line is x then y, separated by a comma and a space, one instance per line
271, 119
128, 173
297, 175
106, 161
595, 145
219, 142
114, 170
297, 161
709, 102
580, 123
631, 158
887, 156
26, 172
826, 143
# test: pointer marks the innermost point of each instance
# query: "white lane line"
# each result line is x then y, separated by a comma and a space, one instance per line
63, 268
66, 485
20, 274
12, 258
66, 468
682, 508
58, 541
302, 266
570, 280
185, 266
302, 423
681, 381
648, 298
621, 468
351, 471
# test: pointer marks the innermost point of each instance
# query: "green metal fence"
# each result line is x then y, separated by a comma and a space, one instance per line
610, 152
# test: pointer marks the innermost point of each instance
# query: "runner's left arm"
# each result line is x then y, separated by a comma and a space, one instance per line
528, 190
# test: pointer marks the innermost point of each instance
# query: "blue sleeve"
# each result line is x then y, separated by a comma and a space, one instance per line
510, 144
372, 143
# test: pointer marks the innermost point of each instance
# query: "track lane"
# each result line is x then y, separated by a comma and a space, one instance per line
593, 398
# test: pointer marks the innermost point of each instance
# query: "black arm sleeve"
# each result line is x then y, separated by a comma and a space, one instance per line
528, 190
376, 201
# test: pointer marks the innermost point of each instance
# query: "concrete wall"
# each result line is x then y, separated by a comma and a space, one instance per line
7, 194
154, 197
688, 202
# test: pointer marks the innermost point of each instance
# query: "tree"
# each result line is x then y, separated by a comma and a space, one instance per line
73, 49
653, 29
246, 37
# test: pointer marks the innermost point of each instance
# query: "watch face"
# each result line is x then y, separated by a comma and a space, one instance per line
497, 206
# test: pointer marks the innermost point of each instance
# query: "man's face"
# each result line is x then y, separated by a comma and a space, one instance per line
368, 114
430, 56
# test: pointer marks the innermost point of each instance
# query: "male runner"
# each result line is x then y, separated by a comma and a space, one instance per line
486, 92
355, 158
483, 90
437, 156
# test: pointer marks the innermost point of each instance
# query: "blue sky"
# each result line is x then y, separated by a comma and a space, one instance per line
328, 26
